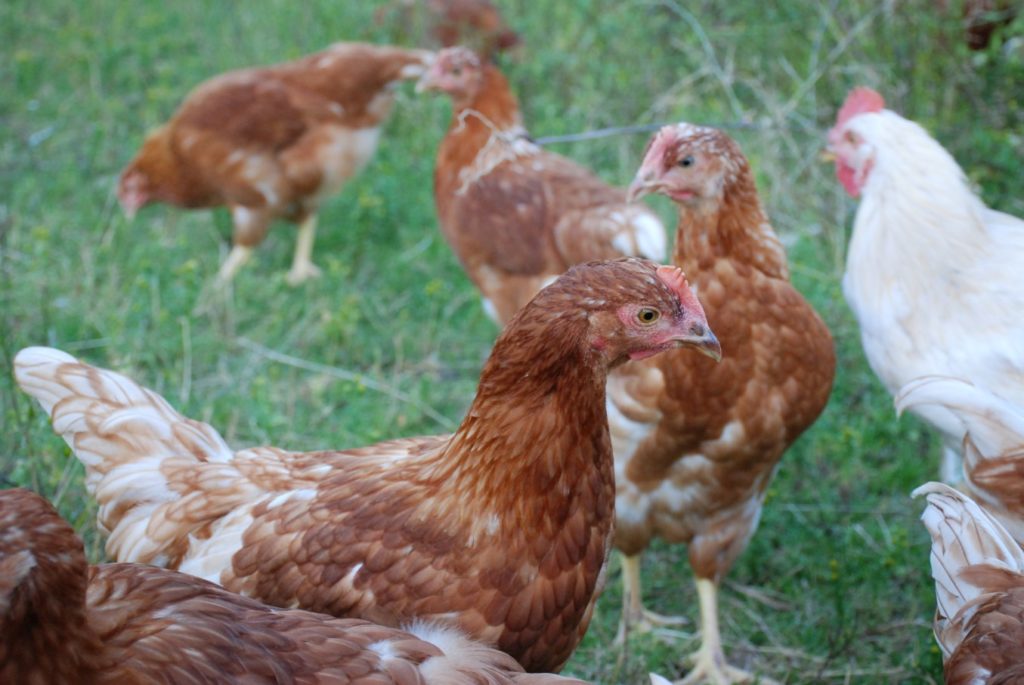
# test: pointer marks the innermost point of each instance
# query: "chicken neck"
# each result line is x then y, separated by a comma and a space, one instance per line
918, 223
535, 440
476, 119
174, 179
732, 226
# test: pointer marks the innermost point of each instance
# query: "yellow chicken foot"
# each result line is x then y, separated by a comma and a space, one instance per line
635, 618
709, 665
302, 263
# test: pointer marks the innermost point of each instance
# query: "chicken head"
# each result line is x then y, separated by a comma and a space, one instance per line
457, 71
688, 164
854, 157
636, 318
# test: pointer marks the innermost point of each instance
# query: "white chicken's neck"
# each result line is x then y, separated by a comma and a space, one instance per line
918, 220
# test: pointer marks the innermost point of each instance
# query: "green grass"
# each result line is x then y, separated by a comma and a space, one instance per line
835, 585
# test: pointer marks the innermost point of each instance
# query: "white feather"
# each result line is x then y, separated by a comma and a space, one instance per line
933, 276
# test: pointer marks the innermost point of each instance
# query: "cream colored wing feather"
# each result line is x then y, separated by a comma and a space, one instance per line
157, 475
963, 535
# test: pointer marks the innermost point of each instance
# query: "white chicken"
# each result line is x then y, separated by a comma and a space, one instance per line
932, 274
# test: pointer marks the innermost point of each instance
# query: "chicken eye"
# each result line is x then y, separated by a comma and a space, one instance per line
686, 161
648, 315
457, 71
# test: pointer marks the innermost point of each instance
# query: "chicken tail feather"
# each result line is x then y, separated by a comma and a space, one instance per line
968, 547
141, 456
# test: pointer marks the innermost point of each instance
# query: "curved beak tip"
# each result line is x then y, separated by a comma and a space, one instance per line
711, 347
705, 343
709, 344
637, 189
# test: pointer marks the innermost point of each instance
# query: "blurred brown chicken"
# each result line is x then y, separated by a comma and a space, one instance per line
476, 24
982, 18
65, 623
696, 444
272, 143
517, 215
502, 528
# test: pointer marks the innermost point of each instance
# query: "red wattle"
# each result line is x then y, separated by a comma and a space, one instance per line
847, 177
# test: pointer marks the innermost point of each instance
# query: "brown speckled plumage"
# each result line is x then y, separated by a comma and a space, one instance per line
502, 528
994, 637
696, 443
271, 142
515, 214
773, 380
62, 622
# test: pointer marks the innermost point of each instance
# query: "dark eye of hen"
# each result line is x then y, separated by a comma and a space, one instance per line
686, 161
648, 315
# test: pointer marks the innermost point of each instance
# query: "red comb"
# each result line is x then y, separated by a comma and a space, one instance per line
674, 278
859, 101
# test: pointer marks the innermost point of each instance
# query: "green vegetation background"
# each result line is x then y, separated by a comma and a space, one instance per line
835, 586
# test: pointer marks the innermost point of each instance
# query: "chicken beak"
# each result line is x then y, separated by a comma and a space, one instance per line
426, 82
641, 185
702, 339
827, 156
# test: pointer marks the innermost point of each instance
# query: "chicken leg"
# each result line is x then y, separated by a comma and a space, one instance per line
709, 664
635, 618
238, 256
302, 263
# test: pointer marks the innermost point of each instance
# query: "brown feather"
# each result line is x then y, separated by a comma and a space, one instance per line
273, 140
141, 624
516, 215
502, 528
716, 432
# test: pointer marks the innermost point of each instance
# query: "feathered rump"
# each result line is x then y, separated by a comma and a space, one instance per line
142, 458
993, 442
993, 424
610, 231
970, 550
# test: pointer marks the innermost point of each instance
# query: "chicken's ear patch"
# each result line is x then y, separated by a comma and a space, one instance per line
860, 101
675, 279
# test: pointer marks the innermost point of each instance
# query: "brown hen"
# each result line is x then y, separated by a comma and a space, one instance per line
272, 143
476, 24
696, 444
65, 623
502, 528
516, 215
